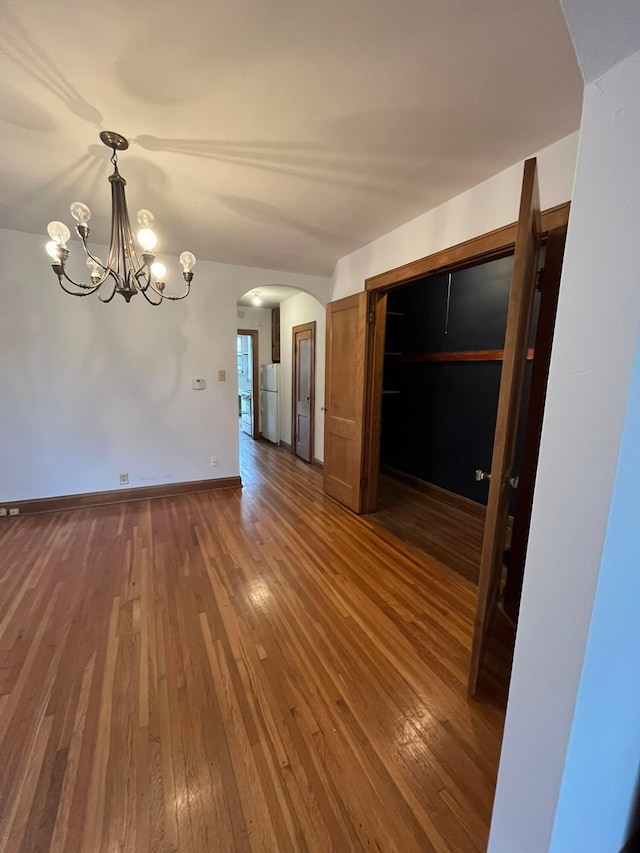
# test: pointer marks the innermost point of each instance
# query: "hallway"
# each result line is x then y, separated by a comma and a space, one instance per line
250, 669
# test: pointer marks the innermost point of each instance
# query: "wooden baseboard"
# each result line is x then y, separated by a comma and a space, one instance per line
426, 488
285, 445
458, 501
141, 493
317, 463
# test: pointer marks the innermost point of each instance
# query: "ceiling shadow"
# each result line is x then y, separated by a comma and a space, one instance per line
268, 214
307, 162
51, 199
17, 109
25, 53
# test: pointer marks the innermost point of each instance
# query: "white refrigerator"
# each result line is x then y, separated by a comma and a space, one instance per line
269, 376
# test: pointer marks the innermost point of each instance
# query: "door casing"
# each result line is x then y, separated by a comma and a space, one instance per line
255, 390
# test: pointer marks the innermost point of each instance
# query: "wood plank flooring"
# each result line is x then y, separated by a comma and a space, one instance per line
251, 670
448, 533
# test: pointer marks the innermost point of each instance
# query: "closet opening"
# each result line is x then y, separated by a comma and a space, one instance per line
444, 339
435, 364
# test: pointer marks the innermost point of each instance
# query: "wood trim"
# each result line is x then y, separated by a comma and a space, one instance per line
255, 381
317, 463
303, 327
117, 496
285, 445
486, 247
451, 498
468, 355
377, 305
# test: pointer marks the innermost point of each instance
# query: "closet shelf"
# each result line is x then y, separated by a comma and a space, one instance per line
470, 355
390, 392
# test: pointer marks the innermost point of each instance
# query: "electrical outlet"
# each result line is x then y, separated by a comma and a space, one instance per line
14, 511
124, 479
222, 376
214, 461
3, 511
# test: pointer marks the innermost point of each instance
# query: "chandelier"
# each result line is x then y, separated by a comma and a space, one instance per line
124, 271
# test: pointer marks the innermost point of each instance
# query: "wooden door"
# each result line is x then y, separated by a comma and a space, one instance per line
550, 288
304, 375
345, 400
523, 284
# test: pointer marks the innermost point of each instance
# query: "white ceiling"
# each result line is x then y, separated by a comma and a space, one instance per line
269, 296
603, 33
280, 133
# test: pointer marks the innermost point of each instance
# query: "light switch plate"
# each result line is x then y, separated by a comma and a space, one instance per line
222, 376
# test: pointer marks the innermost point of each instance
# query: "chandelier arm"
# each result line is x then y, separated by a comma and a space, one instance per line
74, 292
141, 272
149, 300
111, 295
169, 296
89, 288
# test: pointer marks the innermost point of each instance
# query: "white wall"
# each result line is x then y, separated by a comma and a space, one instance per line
596, 335
89, 391
293, 312
483, 208
603, 759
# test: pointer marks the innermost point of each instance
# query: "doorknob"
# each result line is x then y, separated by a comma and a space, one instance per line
323, 409
513, 482
306, 398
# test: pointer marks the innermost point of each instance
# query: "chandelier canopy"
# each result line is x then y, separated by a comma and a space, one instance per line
124, 272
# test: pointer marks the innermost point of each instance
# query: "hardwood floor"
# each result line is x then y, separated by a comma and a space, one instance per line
240, 670
448, 533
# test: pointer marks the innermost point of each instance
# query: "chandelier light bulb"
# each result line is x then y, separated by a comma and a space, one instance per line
159, 270
96, 269
80, 212
52, 250
147, 239
188, 260
257, 297
146, 219
58, 232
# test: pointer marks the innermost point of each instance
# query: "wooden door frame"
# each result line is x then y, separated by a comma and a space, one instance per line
255, 390
490, 246
303, 327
